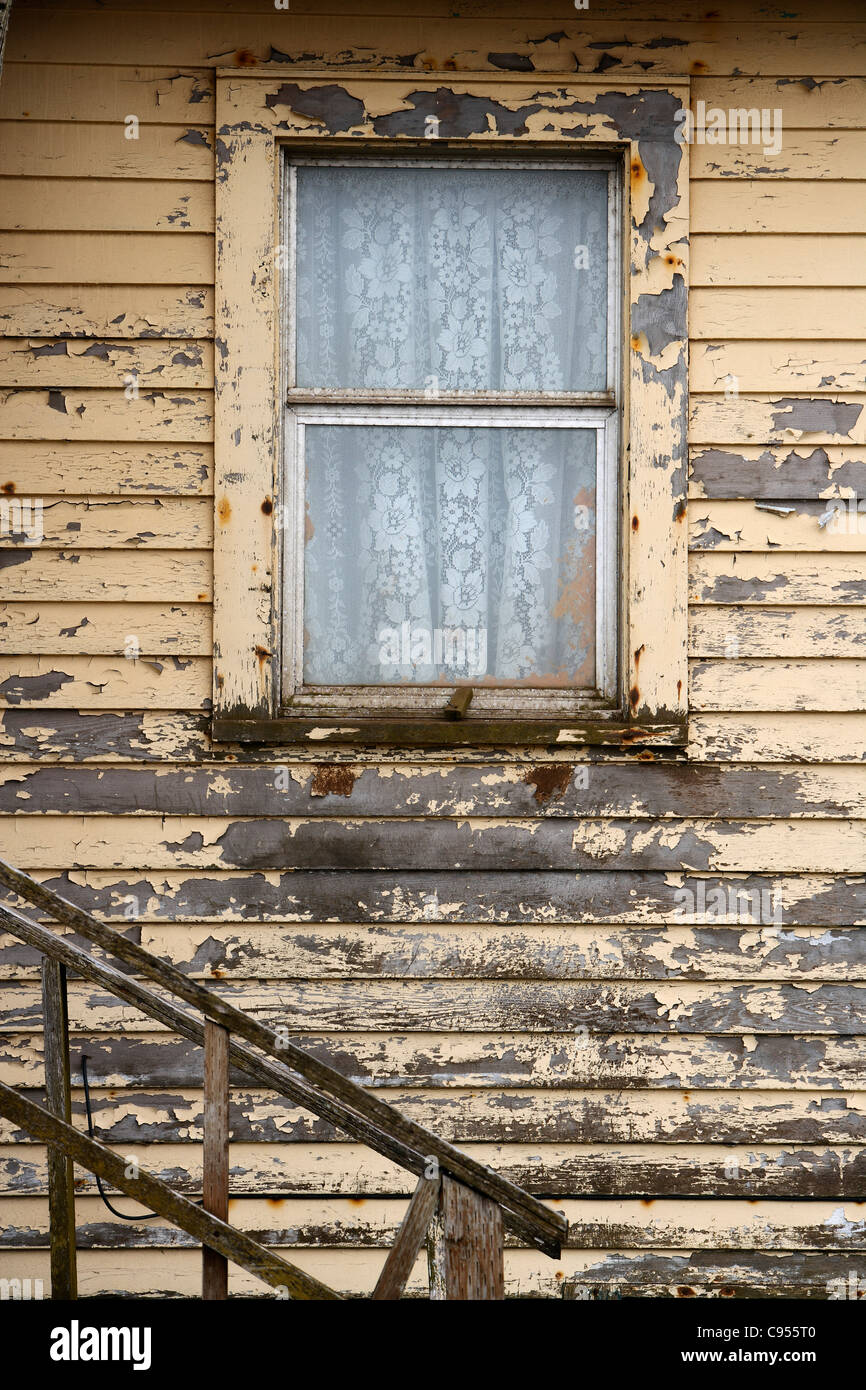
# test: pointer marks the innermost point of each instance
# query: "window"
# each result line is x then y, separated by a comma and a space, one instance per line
450, 410
451, 439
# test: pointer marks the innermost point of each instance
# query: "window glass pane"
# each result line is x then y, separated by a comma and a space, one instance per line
443, 553
443, 279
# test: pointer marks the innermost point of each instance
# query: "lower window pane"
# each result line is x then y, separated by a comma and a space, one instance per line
438, 554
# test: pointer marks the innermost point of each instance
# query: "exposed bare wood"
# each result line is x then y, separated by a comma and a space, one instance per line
215, 1161
408, 1241
61, 1189
466, 1247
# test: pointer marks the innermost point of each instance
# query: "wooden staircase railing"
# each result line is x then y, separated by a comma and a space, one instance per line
460, 1207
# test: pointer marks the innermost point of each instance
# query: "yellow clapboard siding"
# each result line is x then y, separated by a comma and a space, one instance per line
722, 312
64, 467
778, 738
148, 205
820, 366
337, 1221
84, 150
83, 414
206, 842
215, 39
782, 577
817, 684
771, 10
97, 258
106, 523
739, 260
82, 92
104, 629
734, 205
91, 682
740, 526
805, 105
106, 311
788, 416
786, 459
93, 363
82, 575
803, 154
777, 632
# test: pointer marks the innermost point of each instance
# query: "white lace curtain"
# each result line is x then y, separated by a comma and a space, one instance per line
456, 551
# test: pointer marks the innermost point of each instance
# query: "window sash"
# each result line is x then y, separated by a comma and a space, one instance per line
487, 700
608, 396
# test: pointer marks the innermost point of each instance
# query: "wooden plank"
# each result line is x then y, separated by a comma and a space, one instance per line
568, 953
100, 258
408, 1241
776, 579
94, 363
805, 104
79, 682
366, 1116
647, 1171
752, 366
466, 1249
107, 523
610, 1223
585, 788
806, 738
778, 312
215, 1161
817, 684
785, 259
86, 150
147, 205
124, 38
435, 1063
802, 154
81, 576
493, 1007
61, 1188
478, 845
755, 205
544, 10
81, 468
182, 737
627, 896
614, 1275
548, 789
105, 311
720, 419
503, 1116
809, 525
835, 470
85, 92
111, 415
777, 632
105, 629
150, 1191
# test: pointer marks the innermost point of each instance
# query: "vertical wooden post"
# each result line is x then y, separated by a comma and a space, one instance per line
61, 1189
465, 1250
215, 1269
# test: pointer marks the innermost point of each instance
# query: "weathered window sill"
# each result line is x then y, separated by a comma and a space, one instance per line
448, 733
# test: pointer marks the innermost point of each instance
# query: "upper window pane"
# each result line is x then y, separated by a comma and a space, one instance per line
451, 279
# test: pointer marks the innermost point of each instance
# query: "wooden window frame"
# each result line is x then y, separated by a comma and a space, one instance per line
325, 115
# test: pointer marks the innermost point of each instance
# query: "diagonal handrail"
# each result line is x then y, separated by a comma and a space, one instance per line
291, 1071
145, 1187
